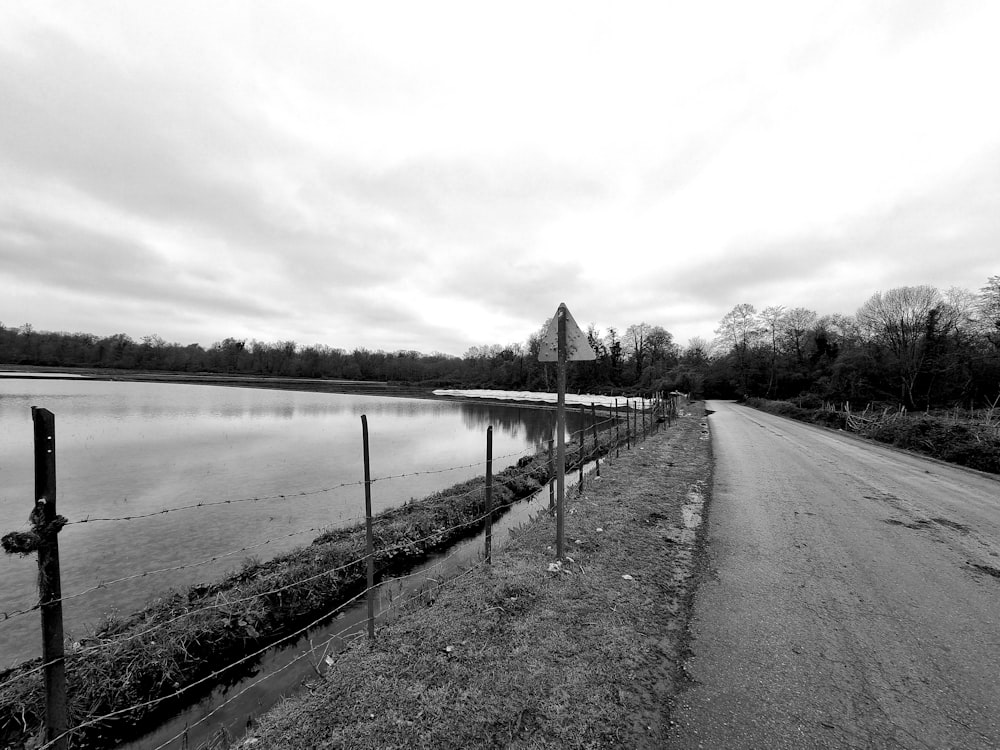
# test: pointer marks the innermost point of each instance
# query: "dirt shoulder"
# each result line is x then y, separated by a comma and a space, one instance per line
518, 654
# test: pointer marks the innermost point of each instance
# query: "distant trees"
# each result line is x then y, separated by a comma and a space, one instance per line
913, 346
642, 359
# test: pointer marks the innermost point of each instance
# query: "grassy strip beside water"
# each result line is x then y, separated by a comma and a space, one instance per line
138, 670
526, 653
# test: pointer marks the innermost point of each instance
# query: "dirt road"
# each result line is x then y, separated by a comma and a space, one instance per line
852, 597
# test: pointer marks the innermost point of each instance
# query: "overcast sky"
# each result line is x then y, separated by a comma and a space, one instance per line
430, 176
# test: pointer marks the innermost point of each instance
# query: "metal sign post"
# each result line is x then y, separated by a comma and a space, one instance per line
563, 341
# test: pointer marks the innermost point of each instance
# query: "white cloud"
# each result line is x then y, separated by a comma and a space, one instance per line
443, 174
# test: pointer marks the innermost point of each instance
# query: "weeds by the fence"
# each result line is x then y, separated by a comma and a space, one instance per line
134, 670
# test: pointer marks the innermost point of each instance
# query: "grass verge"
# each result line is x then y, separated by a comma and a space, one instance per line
586, 654
941, 436
135, 671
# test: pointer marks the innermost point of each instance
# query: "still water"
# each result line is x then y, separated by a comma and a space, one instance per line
128, 449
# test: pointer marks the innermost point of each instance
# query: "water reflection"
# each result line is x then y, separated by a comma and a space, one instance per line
127, 449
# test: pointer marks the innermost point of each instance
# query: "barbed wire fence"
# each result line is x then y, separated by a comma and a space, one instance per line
36, 695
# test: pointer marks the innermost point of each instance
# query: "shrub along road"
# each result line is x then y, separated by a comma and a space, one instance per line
526, 654
855, 596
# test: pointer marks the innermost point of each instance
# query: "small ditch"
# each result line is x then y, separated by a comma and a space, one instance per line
225, 715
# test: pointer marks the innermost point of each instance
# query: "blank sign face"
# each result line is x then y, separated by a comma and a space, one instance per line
577, 346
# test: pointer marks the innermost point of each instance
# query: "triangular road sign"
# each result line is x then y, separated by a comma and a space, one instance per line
577, 345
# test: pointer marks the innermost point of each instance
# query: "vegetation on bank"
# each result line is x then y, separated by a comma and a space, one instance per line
139, 669
587, 654
963, 437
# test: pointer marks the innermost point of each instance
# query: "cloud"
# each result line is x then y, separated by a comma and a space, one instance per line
945, 236
354, 176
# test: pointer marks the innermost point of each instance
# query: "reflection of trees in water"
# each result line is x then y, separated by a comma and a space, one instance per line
537, 425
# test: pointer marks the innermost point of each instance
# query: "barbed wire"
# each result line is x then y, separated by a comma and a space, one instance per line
522, 452
185, 566
210, 503
232, 602
28, 673
215, 558
181, 691
305, 654
228, 603
438, 583
286, 495
20, 612
202, 680
114, 642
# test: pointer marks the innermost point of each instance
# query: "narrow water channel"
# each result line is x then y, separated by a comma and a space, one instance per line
223, 716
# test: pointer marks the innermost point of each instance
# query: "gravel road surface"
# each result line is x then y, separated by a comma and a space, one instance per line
852, 597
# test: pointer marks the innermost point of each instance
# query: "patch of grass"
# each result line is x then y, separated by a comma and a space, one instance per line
513, 655
185, 636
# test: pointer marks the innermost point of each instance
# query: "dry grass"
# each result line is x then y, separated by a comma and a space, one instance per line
515, 655
966, 438
182, 638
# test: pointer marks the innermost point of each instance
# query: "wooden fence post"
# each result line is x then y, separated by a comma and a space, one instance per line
552, 479
583, 439
369, 536
489, 495
643, 402
628, 429
47, 525
597, 452
618, 432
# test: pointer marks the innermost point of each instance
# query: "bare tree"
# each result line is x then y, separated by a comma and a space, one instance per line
739, 330
698, 350
660, 345
988, 308
798, 321
898, 321
637, 336
772, 320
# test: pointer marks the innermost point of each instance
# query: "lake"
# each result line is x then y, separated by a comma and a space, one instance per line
130, 449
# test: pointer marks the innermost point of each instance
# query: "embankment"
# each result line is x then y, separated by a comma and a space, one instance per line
136, 670
527, 652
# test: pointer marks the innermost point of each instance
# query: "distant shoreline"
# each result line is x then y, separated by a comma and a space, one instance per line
307, 385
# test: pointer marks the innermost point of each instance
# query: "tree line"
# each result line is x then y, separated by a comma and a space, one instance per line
636, 359
915, 346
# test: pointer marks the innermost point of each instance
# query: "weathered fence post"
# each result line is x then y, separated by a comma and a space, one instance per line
47, 525
597, 452
643, 402
489, 495
369, 536
583, 440
628, 429
635, 422
552, 479
618, 432
561, 431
